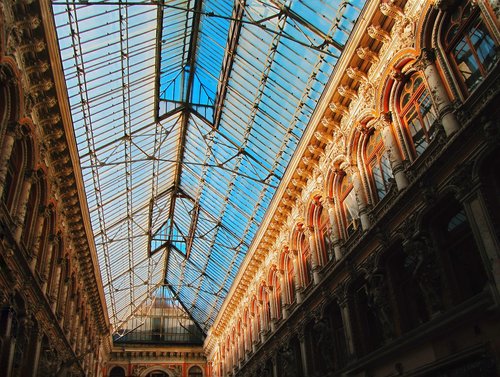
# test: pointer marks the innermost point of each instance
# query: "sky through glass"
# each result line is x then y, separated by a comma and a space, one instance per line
186, 114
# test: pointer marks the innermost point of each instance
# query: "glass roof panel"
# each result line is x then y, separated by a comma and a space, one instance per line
186, 115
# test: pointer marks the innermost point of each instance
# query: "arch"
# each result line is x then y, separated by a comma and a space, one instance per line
195, 371
319, 219
274, 282
11, 98
376, 165
469, 46
156, 368
399, 65
117, 371
286, 264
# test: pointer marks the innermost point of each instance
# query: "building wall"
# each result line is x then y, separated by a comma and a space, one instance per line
52, 320
380, 256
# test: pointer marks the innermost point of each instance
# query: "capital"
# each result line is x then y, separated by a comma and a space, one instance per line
426, 58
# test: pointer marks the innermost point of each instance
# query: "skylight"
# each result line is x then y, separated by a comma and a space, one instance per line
186, 115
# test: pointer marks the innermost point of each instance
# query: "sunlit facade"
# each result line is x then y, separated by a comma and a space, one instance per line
202, 188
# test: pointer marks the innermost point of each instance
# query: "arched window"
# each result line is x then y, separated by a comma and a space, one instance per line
470, 45
350, 209
465, 270
117, 372
305, 258
417, 113
266, 309
14, 176
289, 277
326, 237
32, 212
256, 320
378, 164
277, 294
195, 371
157, 373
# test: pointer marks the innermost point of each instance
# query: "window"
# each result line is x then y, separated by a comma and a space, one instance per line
195, 372
117, 372
470, 46
349, 205
289, 279
379, 164
305, 252
417, 113
326, 234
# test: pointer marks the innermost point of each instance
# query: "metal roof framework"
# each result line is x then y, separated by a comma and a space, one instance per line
186, 114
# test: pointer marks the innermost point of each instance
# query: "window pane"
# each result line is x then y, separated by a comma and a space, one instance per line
485, 46
467, 64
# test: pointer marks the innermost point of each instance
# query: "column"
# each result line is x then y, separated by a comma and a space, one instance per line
346, 320
310, 234
484, 234
296, 270
32, 355
55, 286
275, 365
384, 124
303, 352
426, 63
6, 151
329, 205
360, 197
23, 204
262, 322
38, 233
51, 246
8, 340
284, 287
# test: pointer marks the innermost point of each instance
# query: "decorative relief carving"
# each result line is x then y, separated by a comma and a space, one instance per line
366, 54
378, 33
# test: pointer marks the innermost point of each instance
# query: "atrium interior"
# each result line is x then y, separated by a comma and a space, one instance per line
249, 188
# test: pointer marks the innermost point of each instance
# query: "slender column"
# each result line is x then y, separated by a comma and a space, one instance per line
38, 235
484, 232
23, 204
52, 244
284, 303
255, 333
440, 98
330, 206
62, 300
262, 322
309, 233
298, 287
303, 353
275, 365
32, 354
384, 124
55, 286
8, 340
360, 197
346, 320
6, 152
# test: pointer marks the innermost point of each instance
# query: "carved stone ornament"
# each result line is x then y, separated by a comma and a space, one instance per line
366, 54
137, 370
347, 92
379, 34
338, 108
390, 10
356, 74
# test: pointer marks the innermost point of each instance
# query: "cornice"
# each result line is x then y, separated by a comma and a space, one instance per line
34, 45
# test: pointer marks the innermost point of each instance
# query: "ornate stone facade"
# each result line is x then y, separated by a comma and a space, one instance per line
381, 255
385, 239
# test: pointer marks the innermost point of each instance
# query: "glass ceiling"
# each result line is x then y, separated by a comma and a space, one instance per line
186, 114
